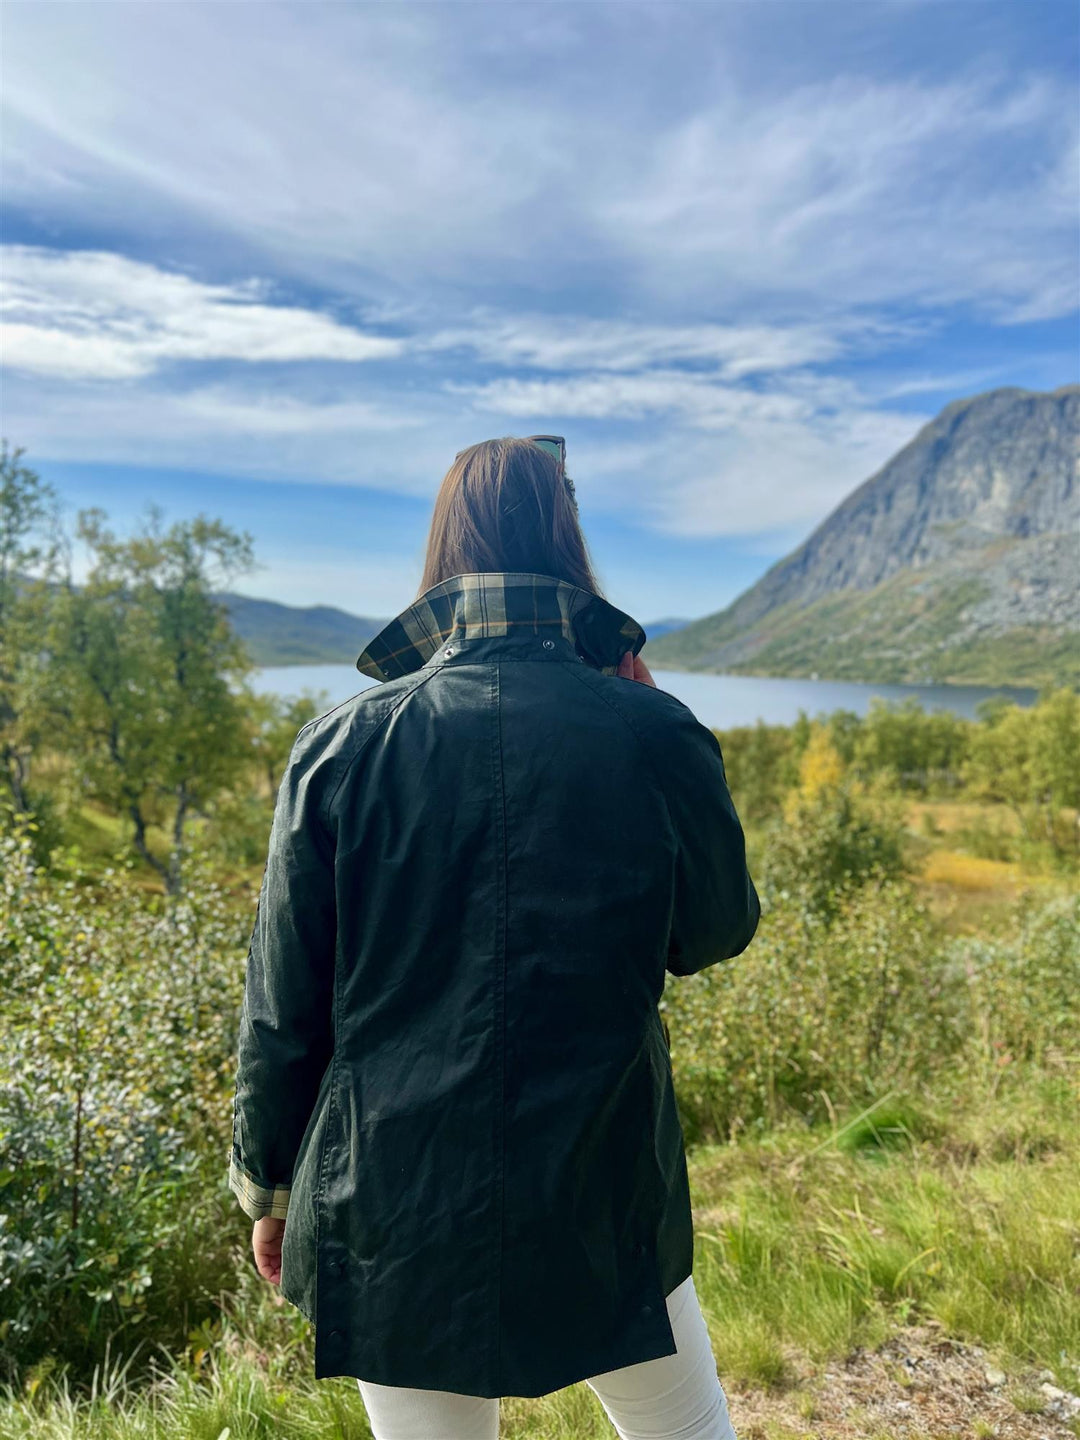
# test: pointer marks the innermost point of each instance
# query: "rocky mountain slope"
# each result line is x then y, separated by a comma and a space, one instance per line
959, 560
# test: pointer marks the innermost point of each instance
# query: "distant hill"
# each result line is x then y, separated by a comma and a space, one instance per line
277, 634
656, 628
958, 561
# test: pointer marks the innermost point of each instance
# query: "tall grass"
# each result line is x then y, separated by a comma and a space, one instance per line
807, 1243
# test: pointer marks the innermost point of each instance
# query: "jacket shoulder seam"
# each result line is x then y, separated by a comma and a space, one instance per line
367, 739
349, 699
638, 736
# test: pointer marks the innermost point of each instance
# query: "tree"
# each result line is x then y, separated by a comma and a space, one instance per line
30, 541
277, 722
1055, 762
755, 760
917, 749
837, 833
152, 675
1029, 759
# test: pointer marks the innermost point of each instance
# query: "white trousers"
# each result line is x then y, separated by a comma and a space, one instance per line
675, 1397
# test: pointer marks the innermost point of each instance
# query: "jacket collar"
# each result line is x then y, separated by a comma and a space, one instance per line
501, 603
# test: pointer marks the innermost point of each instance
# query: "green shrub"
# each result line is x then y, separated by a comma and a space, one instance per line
826, 1014
815, 1012
836, 834
117, 1042
1022, 987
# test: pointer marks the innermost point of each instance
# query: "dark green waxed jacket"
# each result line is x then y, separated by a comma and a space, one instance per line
452, 1074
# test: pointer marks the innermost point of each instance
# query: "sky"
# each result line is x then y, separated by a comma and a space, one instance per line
277, 263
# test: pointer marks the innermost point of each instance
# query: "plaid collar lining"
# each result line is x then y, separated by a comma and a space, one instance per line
500, 602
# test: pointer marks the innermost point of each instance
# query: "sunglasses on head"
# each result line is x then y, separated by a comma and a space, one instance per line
553, 444
556, 445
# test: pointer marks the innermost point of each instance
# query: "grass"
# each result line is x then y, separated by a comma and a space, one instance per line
972, 862
808, 1245
837, 1251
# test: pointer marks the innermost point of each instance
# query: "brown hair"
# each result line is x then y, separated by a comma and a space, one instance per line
506, 505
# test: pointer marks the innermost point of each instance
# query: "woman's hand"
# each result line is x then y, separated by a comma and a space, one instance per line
266, 1243
632, 667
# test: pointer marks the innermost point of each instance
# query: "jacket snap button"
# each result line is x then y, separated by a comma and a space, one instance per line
334, 1335
646, 1309
448, 652
549, 644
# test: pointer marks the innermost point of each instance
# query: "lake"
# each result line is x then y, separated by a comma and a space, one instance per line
717, 700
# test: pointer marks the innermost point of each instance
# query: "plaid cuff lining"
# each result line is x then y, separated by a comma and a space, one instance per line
256, 1200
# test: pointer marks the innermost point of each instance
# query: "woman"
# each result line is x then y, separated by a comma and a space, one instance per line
454, 1121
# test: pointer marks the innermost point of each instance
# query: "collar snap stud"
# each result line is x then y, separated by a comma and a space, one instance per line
549, 644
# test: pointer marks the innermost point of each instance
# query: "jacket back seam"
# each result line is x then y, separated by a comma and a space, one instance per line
499, 1007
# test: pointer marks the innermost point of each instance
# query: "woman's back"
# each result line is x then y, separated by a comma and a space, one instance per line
453, 1078
496, 848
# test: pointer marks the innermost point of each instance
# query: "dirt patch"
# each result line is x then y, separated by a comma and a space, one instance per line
919, 1385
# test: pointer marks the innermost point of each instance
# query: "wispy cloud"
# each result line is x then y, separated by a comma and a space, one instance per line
98, 314
864, 192
575, 342
768, 473
702, 400
418, 145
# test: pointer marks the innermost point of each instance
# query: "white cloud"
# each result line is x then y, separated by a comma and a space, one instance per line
97, 314
399, 150
860, 191
719, 459
390, 442
753, 387
218, 410
959, 382
605, 397
574, 342
769, 475
698, 400
708, 459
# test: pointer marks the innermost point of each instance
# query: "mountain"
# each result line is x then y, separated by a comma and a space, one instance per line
957, 562
285, 635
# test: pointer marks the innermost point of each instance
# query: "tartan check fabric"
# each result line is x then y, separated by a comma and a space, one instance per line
501, 602
256, 1200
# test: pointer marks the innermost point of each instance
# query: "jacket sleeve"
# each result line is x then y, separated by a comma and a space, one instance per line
716, 906
286, 1016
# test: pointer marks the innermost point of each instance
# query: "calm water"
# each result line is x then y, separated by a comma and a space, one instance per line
717, 700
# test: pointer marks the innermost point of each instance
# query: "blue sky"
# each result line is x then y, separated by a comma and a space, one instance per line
278, 263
